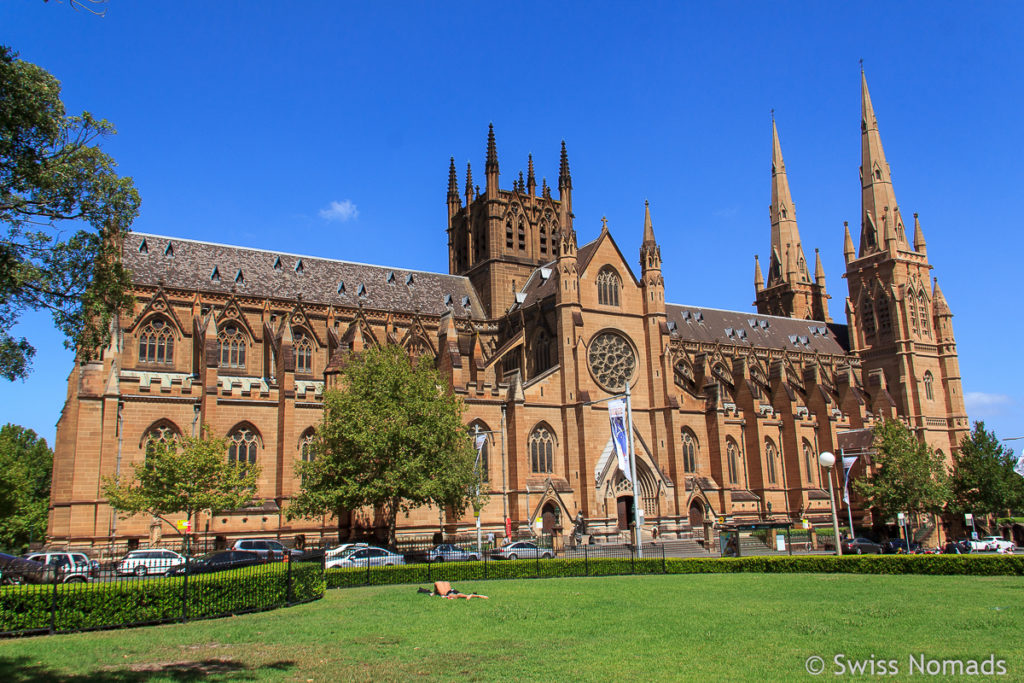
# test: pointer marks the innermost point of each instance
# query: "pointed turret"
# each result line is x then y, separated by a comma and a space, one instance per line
939, 305
758, 277
469, 183
453, 180
491, 168
785, 234
919, 243
848, 252
531, 181
881, 222
565, 181
650, 252
819, 270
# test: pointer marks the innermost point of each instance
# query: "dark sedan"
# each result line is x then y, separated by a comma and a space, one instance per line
899, 545
18, 570
217, 562
860, 546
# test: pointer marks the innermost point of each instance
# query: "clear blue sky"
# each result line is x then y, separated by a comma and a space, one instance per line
246, 122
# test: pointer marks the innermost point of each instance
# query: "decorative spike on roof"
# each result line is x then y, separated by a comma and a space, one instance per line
453, 181
564, 176
492, 151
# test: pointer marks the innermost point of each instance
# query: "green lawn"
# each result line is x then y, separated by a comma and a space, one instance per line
676, 627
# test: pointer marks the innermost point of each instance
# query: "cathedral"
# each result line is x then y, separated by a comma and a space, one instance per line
532, 329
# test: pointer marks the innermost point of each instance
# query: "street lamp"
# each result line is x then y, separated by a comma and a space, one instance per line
827, 460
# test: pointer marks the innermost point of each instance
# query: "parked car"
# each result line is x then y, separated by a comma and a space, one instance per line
343, 549
446, 552
17, 570
152, 561
521, 550
66, 567
219, 561
957, 548
366, 557
897, 545
267, 548
999, 544
979, 545
859, 546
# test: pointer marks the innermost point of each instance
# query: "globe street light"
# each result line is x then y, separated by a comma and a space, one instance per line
827, 460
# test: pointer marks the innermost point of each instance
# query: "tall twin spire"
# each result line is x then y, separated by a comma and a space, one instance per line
881, 222
787, 263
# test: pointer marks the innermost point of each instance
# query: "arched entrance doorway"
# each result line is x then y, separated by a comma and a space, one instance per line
697, 515
551, 519
624, 506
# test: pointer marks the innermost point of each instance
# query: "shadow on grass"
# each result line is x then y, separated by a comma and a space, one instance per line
23, 670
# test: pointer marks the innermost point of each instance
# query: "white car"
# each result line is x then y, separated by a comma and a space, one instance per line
366, 557
999, 544
152, 561
343, 550
67, 567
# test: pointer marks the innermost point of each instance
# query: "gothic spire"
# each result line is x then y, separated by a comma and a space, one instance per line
564, 178
492, 151
881, 223
469, 183
939, 305
819, 270
650, 252
847, 243
453, 181
919, 243
648, 226
785, 235
758, 277
531, 181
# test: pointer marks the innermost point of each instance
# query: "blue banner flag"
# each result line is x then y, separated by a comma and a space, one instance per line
617, 417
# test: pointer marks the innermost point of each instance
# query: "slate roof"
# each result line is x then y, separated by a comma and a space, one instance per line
700, 324
205, 266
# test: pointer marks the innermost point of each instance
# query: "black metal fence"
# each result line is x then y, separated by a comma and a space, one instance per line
63, 593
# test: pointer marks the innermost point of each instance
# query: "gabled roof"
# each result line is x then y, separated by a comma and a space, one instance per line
281, 275
697, 323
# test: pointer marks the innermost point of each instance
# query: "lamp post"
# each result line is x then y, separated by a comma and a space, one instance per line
827, 460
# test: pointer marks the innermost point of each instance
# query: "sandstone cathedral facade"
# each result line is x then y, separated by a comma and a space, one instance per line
531, 329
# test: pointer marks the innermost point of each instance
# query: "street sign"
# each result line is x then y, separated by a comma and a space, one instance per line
969, 518
184, 525
902, 517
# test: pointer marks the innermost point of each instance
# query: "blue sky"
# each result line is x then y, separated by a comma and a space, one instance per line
326, 128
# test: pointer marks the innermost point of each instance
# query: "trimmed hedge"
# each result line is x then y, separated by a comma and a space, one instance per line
110, 605
975, 565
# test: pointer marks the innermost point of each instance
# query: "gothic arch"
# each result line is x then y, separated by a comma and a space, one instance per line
478, 428
244, 443
162, 430
542, 448
609, 286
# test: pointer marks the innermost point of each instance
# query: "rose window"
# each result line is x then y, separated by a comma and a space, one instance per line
612, 360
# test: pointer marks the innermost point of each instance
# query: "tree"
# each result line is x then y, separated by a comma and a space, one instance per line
983, 481
391, 438
26, 466
189, 476
908, 476
64, 212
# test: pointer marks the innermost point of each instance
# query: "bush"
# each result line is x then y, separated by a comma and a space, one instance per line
988, 565
107, 605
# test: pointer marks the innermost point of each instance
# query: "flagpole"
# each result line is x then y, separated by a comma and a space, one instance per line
632, 467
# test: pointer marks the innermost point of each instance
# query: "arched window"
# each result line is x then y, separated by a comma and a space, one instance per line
244, 443
912, 310
608, 287
868, 317
922, 314
769, 456
232, 346
162, 432
809, 462
542, 448
508, 234
522, 235
306, 448
689, 452
156, 342
929, 392
732, 460
541, 352
884, 320
543, 238
303, 352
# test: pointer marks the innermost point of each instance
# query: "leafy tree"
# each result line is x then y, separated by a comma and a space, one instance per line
983, 480
189, 476
391, 439
26, 465
63, 214
908, 477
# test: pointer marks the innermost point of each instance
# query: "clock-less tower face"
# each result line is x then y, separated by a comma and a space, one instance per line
612, 360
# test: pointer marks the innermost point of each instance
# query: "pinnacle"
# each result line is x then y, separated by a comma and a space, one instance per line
648, 226
564, 176
492, 151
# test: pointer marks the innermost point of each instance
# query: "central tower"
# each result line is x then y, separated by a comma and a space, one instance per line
499, 237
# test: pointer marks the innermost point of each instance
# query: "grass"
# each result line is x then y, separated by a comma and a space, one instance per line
708, 627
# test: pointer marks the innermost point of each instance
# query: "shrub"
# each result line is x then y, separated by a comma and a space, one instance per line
107, 605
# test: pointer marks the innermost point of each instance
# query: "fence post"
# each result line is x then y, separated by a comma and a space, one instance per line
586, 561
536, 565
367, 571
430, 579
53, 603
184, 593
288, 596
664, 567
632, 559
485, 564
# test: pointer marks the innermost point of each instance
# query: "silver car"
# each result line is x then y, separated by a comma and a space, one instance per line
446, 552
521, 550
368, 557
152, 561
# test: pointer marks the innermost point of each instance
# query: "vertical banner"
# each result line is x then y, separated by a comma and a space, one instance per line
1019, 469
847, 466
617, 417
481, 439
